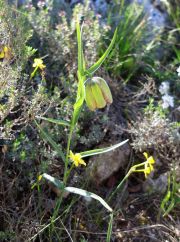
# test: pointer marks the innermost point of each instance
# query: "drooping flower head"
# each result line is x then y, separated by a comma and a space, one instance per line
98, 94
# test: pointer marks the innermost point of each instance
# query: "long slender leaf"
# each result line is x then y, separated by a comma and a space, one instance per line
109, 232
55, 121
80, 50
59, 184
52, 142
102, 150
87, 194
95, 66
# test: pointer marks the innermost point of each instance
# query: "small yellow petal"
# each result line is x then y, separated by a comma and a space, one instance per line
81, 161
76, 163
39, 177
151, 160
1, 54
71, 155
76, 159
151, 167
146, 155
6, 49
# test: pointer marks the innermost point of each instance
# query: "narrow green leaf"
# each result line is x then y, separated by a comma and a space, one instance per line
52, 142
55, 121
165, 200
87, 194
59, 184
170, 207
102, 150
109, 232
80, 50
94, 67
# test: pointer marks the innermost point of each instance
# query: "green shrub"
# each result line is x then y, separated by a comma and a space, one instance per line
20, 98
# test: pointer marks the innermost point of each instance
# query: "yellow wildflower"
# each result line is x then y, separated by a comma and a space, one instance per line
148, 166
145, 167
6, 53
38, 63
76, 158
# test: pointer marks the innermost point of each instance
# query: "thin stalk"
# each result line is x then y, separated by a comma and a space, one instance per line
34, 72
132, 169
66, 173
120, 184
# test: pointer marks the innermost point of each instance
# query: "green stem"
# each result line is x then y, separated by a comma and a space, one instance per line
120, 184
132, 169
34, 72
66, 173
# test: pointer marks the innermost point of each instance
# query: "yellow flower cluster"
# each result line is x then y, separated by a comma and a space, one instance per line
76, 159
147, 166
38, 63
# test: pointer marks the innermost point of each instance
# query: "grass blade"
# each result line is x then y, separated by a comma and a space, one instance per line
55, 121
109, 232
80, 50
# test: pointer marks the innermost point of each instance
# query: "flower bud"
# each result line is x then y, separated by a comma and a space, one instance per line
98, 93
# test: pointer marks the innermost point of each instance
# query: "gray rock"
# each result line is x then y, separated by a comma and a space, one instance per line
158, 185
102, 166
157, 20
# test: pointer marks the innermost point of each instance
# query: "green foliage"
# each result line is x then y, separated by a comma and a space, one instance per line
7, 235
172, 197
14, 36
130, 45
173, 9
152, 108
